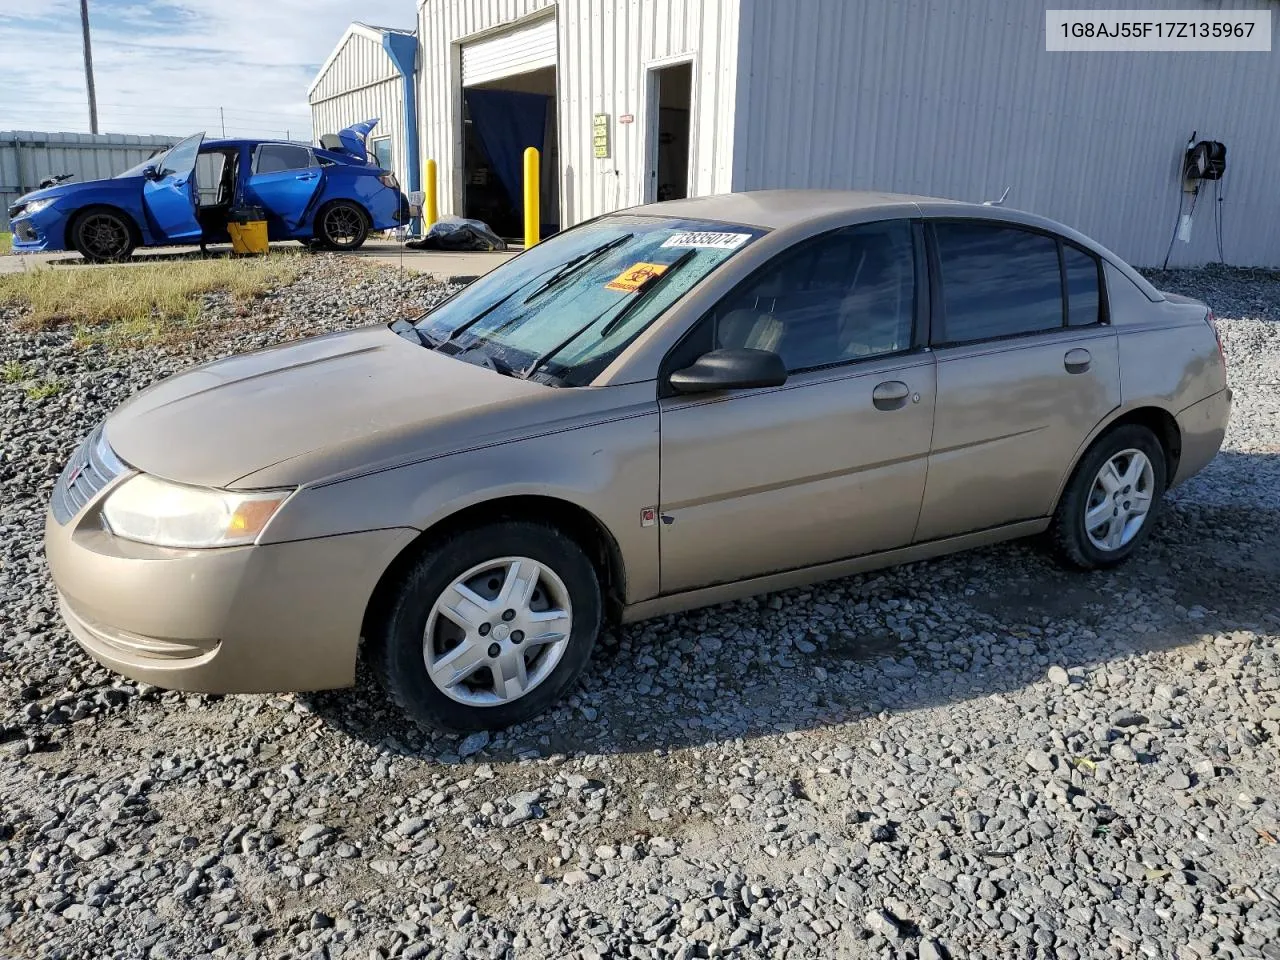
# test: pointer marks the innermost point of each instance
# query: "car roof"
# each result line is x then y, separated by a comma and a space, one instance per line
777, 209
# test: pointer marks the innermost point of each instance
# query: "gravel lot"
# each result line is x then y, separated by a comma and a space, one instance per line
978, 756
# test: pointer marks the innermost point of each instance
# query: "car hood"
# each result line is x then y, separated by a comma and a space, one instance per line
79, 186
311, 409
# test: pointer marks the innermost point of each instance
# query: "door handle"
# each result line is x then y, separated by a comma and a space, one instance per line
180, 183
305, 176
1077, 360
890, 395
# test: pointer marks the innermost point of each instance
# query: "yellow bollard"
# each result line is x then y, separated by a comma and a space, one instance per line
430, 209
530, 196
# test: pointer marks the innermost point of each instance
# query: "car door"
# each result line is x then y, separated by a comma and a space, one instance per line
284, 179
832, 463
169, 195
1027, 367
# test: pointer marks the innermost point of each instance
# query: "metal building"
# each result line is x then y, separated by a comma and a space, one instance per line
365, 77
27, 157
646, 99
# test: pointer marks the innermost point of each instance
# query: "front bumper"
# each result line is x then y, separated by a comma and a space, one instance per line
39, 232
259, 619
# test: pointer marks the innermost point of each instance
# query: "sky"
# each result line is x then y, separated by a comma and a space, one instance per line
167, 66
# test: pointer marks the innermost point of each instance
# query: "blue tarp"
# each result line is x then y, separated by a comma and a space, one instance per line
506, 123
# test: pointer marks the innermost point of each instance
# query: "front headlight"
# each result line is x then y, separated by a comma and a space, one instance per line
168, 514
35, 206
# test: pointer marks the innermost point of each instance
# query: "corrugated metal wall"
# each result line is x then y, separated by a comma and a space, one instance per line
604, 48
958, 98
362, 83
27, 157
361, 61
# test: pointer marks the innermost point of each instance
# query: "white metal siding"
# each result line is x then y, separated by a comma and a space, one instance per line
604, 47
359, 63
384, 100
27, 157
518, 50
958, 98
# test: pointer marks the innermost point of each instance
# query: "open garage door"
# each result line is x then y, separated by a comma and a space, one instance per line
521, 49
509, 103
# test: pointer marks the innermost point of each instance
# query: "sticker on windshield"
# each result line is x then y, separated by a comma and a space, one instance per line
714, 241
636, 276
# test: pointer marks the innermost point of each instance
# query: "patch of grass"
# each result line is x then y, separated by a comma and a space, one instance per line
6, 243
44, 389
14, 372
138, 304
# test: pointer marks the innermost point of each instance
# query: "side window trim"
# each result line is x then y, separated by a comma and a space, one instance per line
937, 314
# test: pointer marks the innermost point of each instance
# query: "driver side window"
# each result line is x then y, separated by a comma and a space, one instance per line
839, 297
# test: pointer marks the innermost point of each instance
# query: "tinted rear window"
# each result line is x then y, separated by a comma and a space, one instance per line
997, 281
274, 157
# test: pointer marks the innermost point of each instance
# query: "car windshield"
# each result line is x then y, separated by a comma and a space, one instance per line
136, 169
565, 308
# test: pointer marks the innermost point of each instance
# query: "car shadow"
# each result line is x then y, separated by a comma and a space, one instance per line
915, 637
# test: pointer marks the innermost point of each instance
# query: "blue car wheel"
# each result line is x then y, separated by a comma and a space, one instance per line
102, 235
342, 225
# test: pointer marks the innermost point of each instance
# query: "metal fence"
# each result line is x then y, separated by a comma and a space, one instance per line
26, 158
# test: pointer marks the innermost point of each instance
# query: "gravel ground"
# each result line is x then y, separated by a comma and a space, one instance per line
978, 756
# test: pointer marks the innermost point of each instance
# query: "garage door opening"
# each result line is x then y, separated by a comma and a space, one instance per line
670, 103
509, 103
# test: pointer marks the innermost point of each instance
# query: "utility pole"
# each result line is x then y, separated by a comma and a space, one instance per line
224, 123
88, 67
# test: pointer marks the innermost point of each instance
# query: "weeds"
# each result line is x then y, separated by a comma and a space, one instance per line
14, 372
44, 389
138, 304
6, 243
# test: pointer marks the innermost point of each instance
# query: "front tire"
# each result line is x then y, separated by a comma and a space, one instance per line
1111, 501
103, 236
489, 627
342, 226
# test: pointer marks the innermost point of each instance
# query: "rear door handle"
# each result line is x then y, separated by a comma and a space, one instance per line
890, 395
1077, 360
305, 176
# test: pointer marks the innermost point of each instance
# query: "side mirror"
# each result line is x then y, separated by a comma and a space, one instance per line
731, 369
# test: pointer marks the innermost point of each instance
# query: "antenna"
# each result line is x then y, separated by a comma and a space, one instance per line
997, 203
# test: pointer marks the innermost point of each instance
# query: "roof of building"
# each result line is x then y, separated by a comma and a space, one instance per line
356, 28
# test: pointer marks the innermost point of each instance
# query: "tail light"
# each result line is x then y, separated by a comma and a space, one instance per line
1217, 335
389, 180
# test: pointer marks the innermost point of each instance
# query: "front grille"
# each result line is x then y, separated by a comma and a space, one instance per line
86, 474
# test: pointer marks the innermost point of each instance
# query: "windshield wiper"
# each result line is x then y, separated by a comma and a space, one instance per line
579, 261
488, 360
637, 298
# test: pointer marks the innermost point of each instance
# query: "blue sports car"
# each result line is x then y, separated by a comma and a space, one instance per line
331, 196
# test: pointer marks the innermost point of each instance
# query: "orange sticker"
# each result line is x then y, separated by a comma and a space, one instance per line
636, 276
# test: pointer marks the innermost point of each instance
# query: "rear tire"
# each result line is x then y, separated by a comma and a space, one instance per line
102, 235
483, 615
342, 225
1112, 500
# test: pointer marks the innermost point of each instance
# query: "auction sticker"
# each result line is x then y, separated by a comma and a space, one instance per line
636, 276
713, 241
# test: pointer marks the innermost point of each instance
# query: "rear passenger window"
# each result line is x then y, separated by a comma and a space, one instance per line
274, 157
1084, 298
997, 281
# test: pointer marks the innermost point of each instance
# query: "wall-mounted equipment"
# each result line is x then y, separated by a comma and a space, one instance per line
1205, 160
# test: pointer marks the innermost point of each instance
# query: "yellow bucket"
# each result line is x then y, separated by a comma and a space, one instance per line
250, 237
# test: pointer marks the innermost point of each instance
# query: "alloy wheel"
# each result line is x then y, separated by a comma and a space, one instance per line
1120, 500
497, 631
342, 226
104, 236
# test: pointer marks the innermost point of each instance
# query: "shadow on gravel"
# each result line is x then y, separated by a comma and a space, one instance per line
929, 634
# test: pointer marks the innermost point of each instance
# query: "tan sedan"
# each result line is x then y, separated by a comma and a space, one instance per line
670, 406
